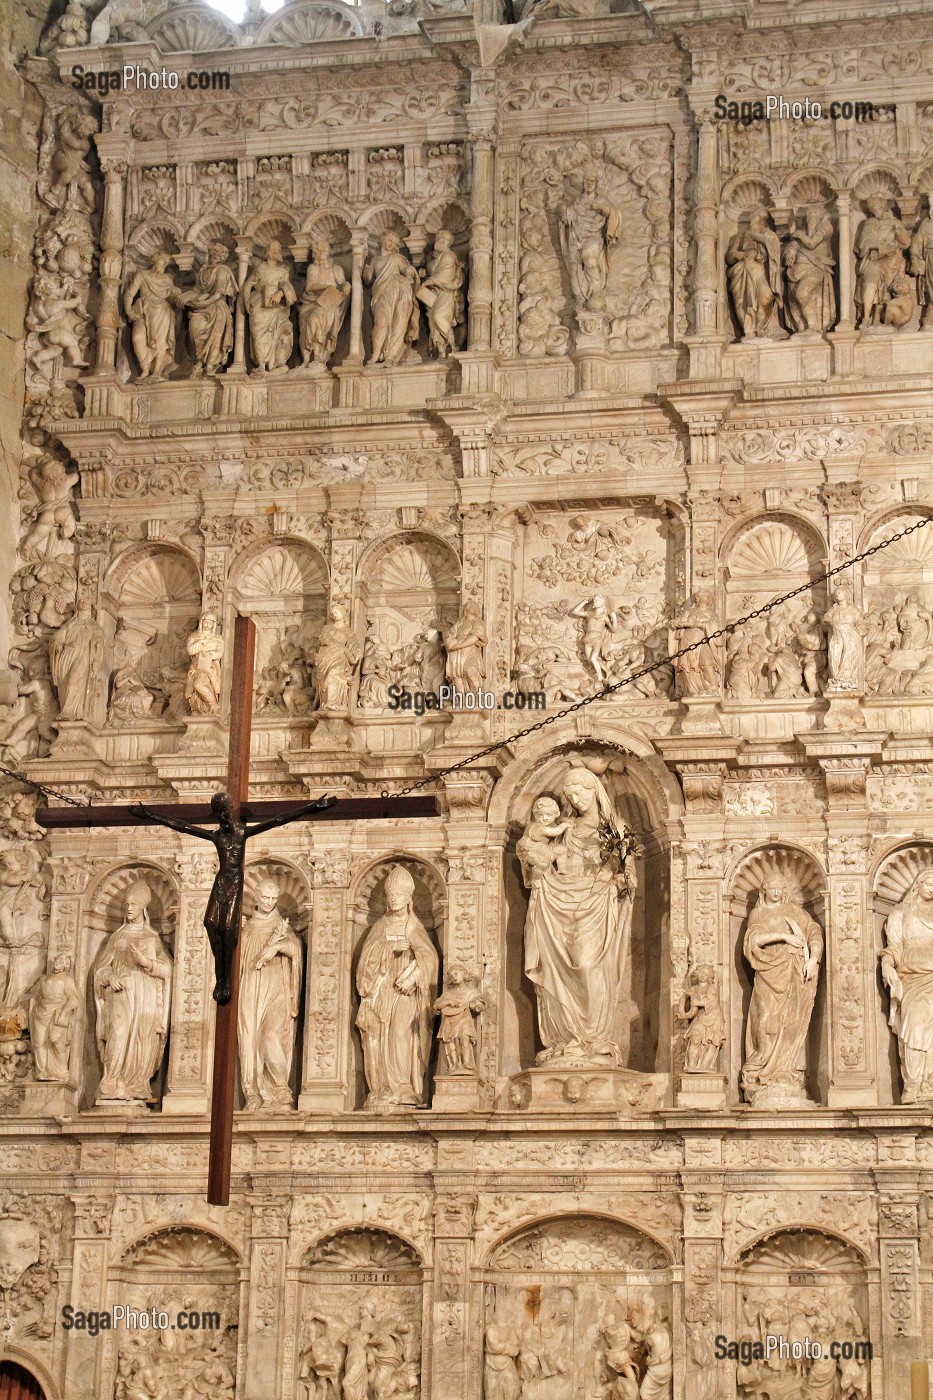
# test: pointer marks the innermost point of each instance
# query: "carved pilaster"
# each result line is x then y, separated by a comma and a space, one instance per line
267, 1250
192, 1021
453, 1327
111, 263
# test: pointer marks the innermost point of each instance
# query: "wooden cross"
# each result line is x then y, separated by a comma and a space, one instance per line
230, 836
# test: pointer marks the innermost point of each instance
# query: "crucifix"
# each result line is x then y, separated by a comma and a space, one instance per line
228, 814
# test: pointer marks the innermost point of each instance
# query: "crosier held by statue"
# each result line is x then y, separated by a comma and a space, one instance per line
222, 916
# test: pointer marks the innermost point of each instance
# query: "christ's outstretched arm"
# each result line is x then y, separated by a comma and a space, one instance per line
320, 804
186, 828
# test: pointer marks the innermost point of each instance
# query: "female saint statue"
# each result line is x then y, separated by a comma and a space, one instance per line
907, 969
578, 927
202, 686
210, 318
270, 988
784, 946
268, 295
753, 258
397, 982
844, 625
338, 652
323, 306
132, 991
396, 315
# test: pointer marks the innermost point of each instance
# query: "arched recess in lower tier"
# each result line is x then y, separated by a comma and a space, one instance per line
584, 1298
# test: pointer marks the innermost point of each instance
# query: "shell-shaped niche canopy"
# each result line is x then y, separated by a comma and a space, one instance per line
372, 1250
806, 1250
293, 889
192, 29
898, 873
183, 1248
309, 22
801, 875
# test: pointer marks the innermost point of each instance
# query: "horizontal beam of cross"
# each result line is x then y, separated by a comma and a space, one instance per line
344, 809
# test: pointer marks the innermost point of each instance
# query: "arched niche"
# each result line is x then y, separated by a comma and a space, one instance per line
797, 1284
893, 879
258, 999
367, 904
153, 595
283, 587
767, 556
360, 1313
897, 595
334, 228
408, 584
170, 1270
640, 800
18, 1383
806, 886
559, 1296
104, 912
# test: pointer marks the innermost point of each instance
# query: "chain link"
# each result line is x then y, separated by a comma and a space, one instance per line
657, 665
40, 787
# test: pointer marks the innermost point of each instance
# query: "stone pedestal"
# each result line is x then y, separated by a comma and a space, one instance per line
204, 734
456, 1093
700, 715
333, 731
701, 1089
586, 1089
49, 1100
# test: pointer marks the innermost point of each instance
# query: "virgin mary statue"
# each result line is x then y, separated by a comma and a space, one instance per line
580, 869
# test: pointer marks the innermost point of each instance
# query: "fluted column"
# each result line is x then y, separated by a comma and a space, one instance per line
111, 264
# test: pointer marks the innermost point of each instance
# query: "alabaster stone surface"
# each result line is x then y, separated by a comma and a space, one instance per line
468, 345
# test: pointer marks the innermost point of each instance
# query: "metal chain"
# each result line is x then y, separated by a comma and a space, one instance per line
657, 665
40, 787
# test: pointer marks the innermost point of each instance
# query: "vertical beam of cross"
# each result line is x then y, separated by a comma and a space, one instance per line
225, 1026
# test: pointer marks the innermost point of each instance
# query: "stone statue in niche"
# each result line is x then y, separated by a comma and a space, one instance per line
52, 1011
578, 924
590, 226
397, 982
210, 312
457, 1006
705, 1027
268, 295
131, 700
535, 848
784, 946
441, 293
149, 302
270, 990
844, 626
23, 927
879, 263
323, 307
202, 686
395, 311
698, 672
907, 969
753, 259
376, 672
921, 264
54, 522
132, 992
338, 654
76, 661
465, 644
808, 267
